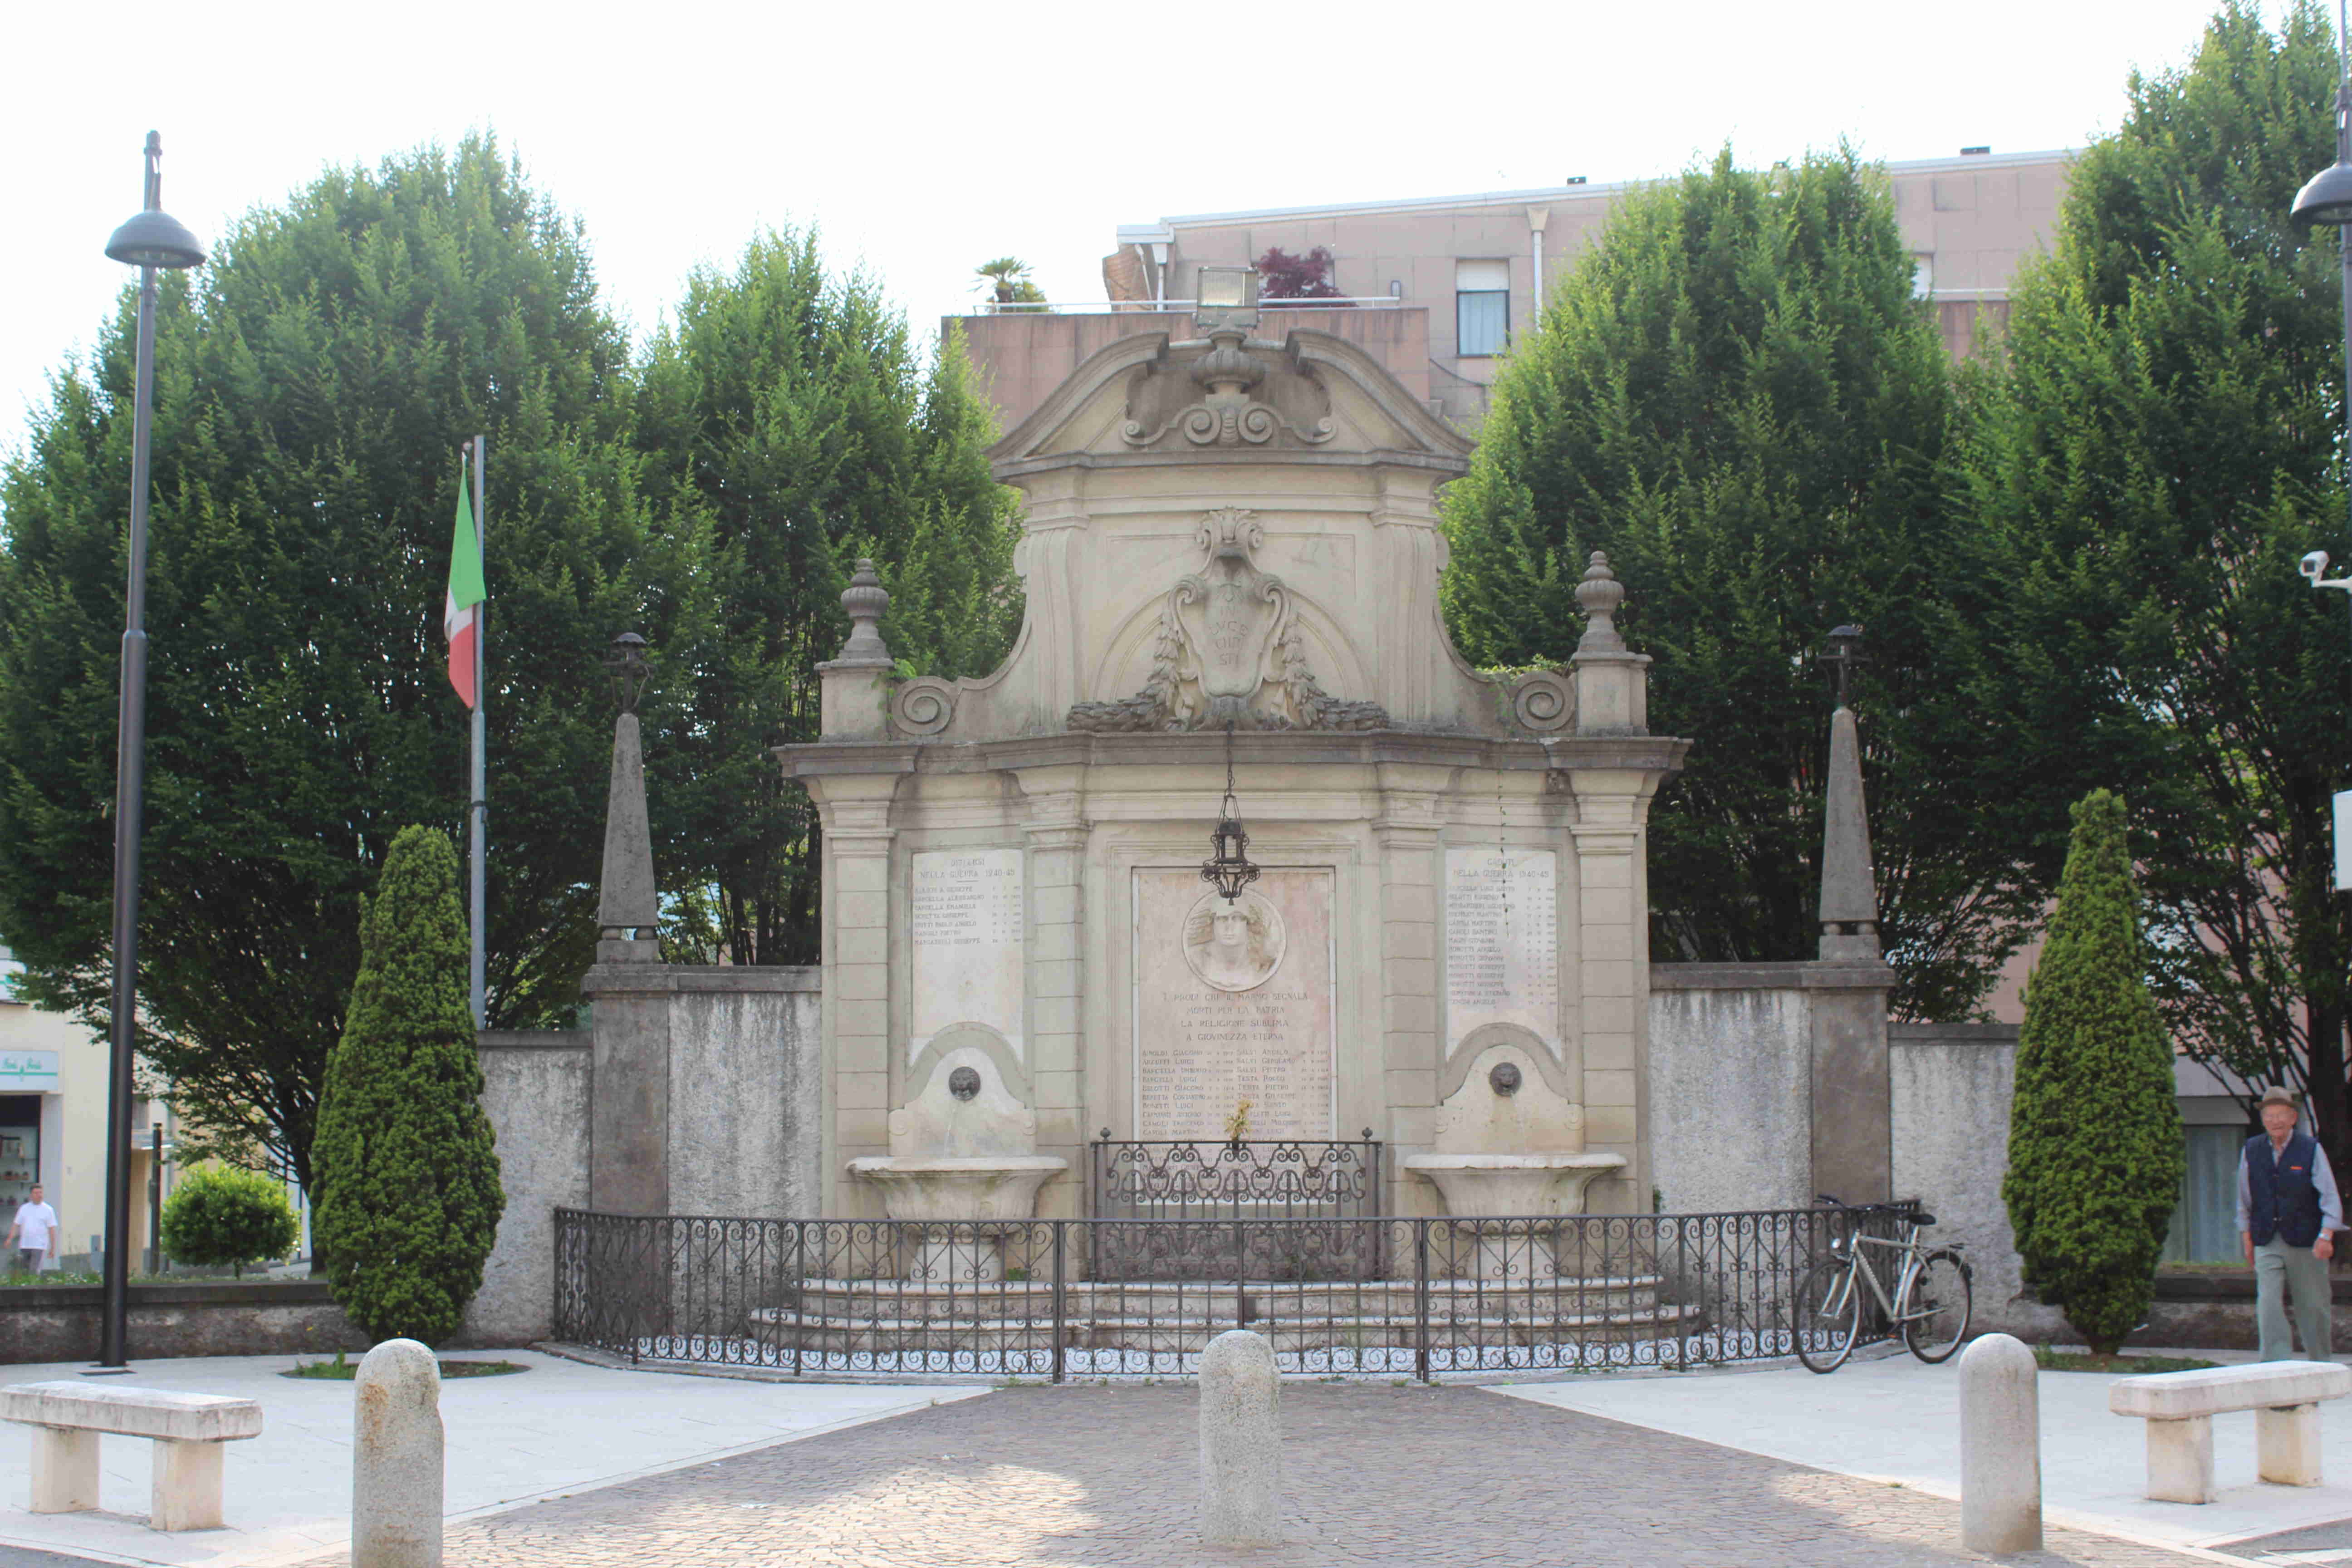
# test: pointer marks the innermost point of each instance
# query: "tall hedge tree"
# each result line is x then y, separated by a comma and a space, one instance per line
314, 383
2144, 467
2095, 1149
790, 411
406, 1201
1737, 397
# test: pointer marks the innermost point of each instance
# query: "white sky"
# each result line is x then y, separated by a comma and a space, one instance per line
926, 139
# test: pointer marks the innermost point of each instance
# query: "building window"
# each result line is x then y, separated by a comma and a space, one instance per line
1923, 274
1482, 306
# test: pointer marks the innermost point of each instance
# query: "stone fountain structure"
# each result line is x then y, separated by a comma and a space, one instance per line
1231, 557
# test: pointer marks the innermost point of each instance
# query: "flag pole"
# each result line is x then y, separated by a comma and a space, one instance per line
478, 807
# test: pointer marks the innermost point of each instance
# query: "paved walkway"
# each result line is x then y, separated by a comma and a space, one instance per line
1894, 1420
1105, 1477
560, 1427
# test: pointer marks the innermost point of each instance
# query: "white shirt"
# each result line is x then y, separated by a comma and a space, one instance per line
35, 1222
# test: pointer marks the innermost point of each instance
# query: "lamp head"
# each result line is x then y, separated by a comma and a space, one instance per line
156, 239
2326, 196
151, 236
1228, 298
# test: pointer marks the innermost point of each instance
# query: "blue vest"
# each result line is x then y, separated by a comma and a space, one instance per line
2284, 1201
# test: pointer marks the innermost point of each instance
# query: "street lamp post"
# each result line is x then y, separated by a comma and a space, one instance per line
150, 240
2326, 198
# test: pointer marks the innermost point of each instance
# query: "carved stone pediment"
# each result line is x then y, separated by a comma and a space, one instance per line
1229, 650
1225, 392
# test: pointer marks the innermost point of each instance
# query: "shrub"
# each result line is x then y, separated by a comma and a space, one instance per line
224, 1214
405, 1188
2095, 1152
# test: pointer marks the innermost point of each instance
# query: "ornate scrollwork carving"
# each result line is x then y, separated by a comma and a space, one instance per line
1229, 649
1543, 701
1226, 393
923, 706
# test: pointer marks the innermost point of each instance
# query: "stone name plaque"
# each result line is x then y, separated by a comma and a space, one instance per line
1233, 1005
969, 939
1502, 941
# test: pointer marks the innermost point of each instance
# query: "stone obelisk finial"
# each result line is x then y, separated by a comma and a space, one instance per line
853, 686
1849, 883
628, 908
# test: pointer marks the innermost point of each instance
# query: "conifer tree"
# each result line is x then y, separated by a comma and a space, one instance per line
790, 413
2095, 1147
314, 381
1737, 395
2141, 469
406, 1200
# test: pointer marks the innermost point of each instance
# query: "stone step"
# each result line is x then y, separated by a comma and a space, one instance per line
1312, 1301
788, 1331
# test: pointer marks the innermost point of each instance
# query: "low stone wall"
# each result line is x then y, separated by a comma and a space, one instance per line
2215, 1312
62, 1322
1948, 1092
1767, 1085
697, 1090
535, 1089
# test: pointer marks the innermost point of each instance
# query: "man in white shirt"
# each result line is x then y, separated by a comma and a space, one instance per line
33, 1233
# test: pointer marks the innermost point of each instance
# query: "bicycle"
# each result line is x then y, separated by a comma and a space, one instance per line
1930, 1298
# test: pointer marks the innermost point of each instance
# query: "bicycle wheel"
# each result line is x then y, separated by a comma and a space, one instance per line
1936, 1312
1829, 1314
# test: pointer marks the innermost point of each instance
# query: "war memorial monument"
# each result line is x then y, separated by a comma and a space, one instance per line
1404, 993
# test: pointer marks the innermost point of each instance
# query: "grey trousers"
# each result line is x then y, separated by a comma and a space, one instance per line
2281, 1271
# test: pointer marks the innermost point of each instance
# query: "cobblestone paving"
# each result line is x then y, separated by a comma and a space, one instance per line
1093, 1478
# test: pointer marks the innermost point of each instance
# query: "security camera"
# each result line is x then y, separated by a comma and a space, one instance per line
2315, 565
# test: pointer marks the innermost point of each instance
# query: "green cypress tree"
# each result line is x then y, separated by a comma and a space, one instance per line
2095, 1148
405, 1197
1737, 397
2160, 442
790, 411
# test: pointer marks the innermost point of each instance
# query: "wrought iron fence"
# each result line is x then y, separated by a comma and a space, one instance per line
1030, 1298
1236, 1179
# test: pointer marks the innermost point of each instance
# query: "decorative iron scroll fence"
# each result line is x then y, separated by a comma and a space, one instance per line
1026, 1298
1234, 1179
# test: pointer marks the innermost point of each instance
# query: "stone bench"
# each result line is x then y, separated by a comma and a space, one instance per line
188, 1430
2179, 1407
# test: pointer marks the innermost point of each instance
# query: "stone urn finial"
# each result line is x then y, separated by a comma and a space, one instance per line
1601, 594
866, 600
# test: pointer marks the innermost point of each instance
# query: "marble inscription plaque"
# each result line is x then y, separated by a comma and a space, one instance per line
969, 947
1233, 1005
1502, 941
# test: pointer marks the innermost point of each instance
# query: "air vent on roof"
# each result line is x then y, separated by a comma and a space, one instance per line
1974, 152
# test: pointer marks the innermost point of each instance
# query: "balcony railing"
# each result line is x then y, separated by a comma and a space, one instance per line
1133, 306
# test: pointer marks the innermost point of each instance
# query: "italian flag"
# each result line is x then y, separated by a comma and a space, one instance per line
461, 617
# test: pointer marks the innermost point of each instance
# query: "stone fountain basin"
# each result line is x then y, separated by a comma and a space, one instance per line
959, 1191
1513, 1186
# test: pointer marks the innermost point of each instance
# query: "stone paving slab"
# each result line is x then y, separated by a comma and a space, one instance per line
1376, 1477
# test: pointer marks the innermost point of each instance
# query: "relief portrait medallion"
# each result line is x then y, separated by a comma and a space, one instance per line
1234, 946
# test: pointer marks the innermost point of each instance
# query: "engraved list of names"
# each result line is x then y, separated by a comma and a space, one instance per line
1502, 941
966, 916
1200, 1050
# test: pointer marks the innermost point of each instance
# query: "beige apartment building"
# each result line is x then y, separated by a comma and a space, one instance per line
1437, 285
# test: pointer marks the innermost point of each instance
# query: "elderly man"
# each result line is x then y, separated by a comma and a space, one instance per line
2288, 1214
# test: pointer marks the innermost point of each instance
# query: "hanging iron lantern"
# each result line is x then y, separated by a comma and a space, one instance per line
1229, 868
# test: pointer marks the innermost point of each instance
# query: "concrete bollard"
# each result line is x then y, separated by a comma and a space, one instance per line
1241, 1442
2000, 1447
396, 1474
